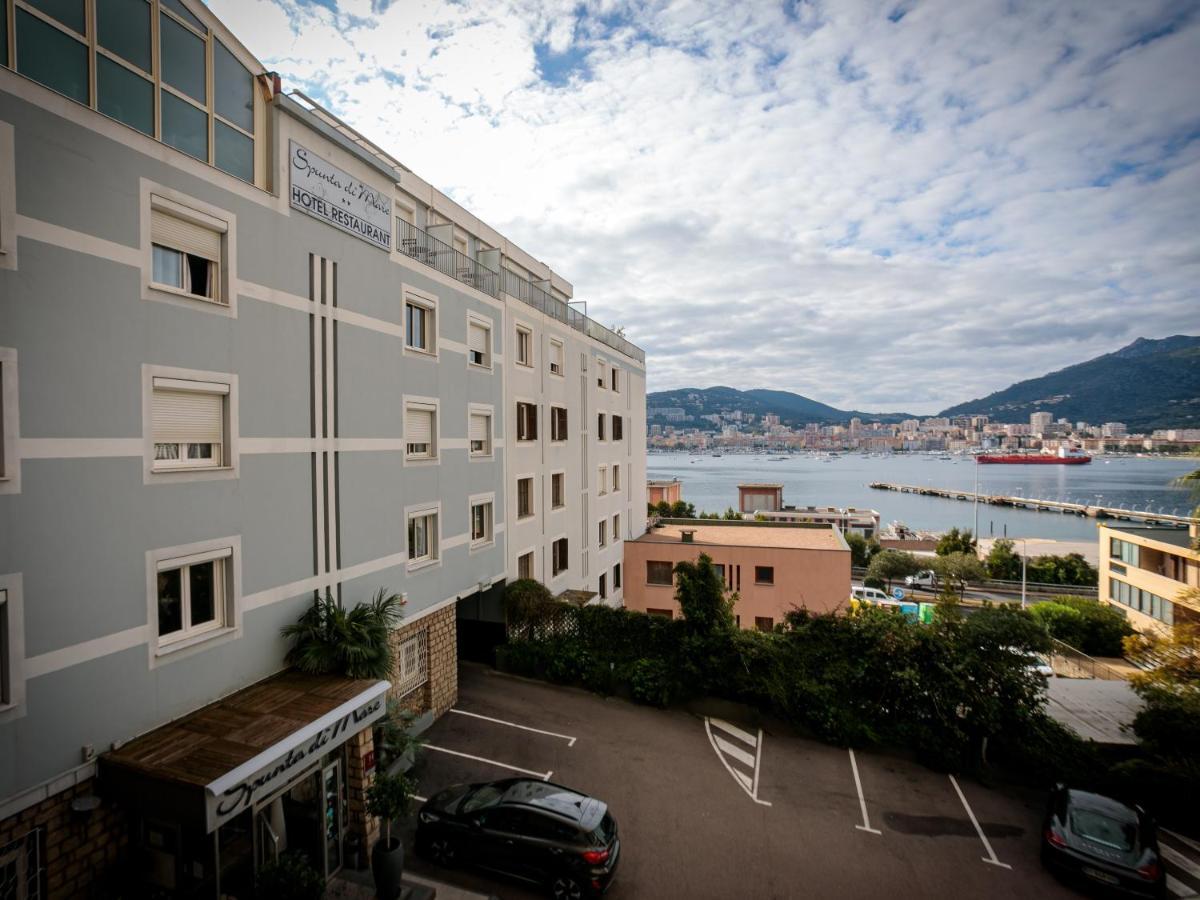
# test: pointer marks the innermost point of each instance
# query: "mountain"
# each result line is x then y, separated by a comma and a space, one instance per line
792, 409
1148, 384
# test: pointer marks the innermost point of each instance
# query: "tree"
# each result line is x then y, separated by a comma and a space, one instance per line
1175, 655
731, 514
663, 508
1192, 481
356, 643
1099, 630
889, 564
1071, 569
528, 602
861, 550
955, 541
959, 568
389, 797
681, 509
1002, 562
700, 590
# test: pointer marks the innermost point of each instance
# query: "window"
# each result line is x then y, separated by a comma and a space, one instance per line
192, 596
602, 532
1125, 551
524, 346
189, 424
618, 428
479, 434
524, 497
616, 526
412, 667
527, 421
481, 522
558, 423
422, 537
420, 430
420, 324
616, 478
525, 565
603, 586
616, 379
10, 469
662, 613
659, 572
600, 426
616, 570
186, 250
556, 357
6, 654
601, 377
764, 574
559, 549
764, 623
602, 481
479, 344
558, 490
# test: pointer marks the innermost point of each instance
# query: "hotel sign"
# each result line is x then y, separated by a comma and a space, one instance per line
325, 192
238, 790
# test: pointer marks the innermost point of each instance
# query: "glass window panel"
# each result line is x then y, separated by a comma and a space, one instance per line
69, 12
235, 152
127, 97
52, 57
176, 6
202, 582
4, 40
183, 59
168, 267
123, 26
170, 601
233, 88
184, 127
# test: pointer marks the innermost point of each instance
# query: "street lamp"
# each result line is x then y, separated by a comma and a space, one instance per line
1024, 556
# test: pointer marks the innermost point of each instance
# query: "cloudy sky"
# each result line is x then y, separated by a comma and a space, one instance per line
883, 206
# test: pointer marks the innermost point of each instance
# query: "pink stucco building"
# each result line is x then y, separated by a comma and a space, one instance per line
772, 567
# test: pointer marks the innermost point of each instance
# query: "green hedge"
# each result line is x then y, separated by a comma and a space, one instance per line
1091, 626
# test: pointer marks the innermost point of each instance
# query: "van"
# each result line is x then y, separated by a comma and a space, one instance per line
870, 595
925, 579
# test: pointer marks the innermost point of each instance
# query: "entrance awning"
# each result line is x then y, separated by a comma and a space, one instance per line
213, 764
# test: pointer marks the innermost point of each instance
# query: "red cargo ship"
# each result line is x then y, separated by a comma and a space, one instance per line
1063, 457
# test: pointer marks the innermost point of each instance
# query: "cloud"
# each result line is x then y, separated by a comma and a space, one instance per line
875, 204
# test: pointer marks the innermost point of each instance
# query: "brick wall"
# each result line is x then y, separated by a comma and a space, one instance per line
75, 849
366, 826
440, 690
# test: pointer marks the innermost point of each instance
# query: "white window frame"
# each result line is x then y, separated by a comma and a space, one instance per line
229, 627
433, 405
429, 303
531, 552
8, 197
182, 462
474, 319
553, 560
12, 611
532, 355
602, 479
230, 461
412, 663
558, 473
616, 527
558, 357
602, 585
473, 502
517, 420
481, 409
601, 374
616, 478
532, 497
613, 419
10, 423
434, 556
614, 374
602, 533
222, 221
566, 429
601, 427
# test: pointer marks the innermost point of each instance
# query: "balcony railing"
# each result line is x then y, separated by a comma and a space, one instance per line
417, 244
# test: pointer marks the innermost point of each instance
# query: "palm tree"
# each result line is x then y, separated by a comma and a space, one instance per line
356, 643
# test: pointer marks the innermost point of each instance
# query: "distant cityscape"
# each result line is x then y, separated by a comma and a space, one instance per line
673, 428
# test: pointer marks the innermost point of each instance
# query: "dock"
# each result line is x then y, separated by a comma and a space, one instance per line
1079, 509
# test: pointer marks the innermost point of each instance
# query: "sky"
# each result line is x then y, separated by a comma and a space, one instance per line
882, 206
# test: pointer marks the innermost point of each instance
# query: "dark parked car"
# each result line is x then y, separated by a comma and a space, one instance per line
531, 830
1104, 842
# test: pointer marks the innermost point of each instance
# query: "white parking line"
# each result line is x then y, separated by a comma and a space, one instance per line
991, 857
743, 736
1178, 860
736, 752
566, 737
545, 776
862, 802
1178, 889
722, 747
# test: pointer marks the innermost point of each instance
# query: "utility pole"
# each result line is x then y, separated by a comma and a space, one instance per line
1024, 556
975, 533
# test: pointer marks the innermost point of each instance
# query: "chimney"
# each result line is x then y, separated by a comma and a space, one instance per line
687, 536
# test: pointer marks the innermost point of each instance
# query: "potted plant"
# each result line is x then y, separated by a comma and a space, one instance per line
290, 878
395, 744
388, 798
329, 638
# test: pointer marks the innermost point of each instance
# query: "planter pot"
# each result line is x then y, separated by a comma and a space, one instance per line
387, 867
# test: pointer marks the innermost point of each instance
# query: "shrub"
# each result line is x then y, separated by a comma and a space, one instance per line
290, 878
652, 682
1062, 622
1104, 626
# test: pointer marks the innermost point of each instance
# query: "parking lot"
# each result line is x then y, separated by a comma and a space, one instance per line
716, 807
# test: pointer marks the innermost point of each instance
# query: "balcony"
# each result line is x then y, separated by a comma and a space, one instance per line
417, 244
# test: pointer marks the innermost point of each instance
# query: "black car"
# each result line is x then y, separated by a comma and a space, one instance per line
1102, 841
532, 830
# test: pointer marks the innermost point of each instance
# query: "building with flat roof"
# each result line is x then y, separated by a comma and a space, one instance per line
760, 497
864, 522
1144, 569
773, 568
664, 491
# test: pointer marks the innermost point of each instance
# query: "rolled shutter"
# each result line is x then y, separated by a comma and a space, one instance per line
181, 234
187, 417
478, 338
418, 426
479, 428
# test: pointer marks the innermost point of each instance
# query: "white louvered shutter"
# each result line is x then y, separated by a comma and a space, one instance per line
418, 426
180, 234
479, 428
478, 339
187, 417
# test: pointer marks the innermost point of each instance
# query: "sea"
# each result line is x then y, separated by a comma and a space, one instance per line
710, 483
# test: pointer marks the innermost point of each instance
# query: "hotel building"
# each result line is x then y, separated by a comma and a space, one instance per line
1144, 569
248, 358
